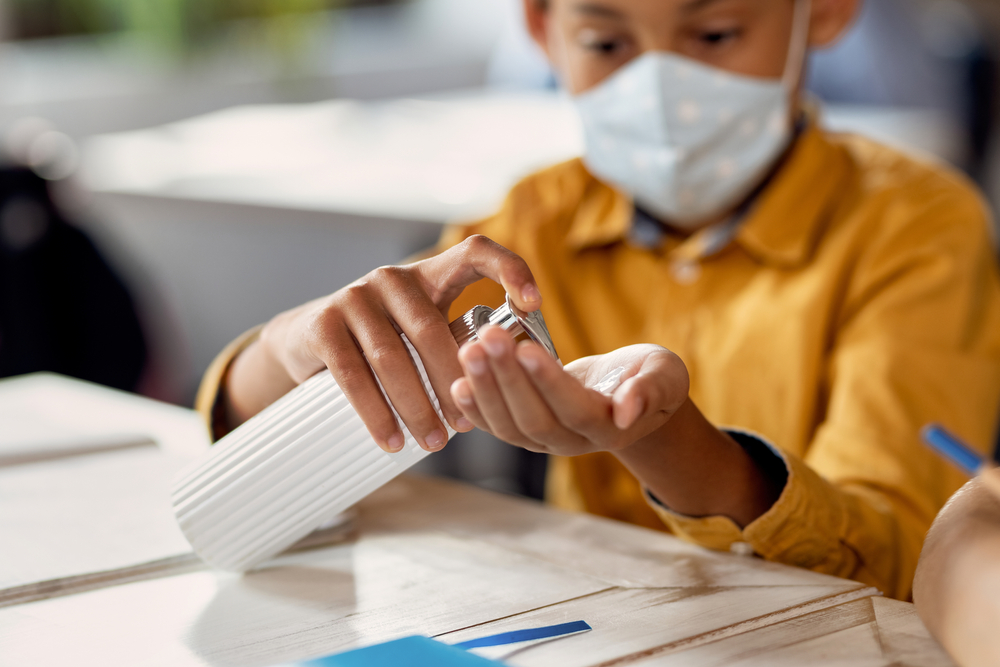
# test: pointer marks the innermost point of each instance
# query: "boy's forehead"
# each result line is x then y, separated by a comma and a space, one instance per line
621, 8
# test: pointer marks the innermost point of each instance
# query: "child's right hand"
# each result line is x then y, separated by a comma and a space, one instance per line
360, 322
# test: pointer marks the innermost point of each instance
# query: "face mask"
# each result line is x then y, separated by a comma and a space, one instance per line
688, 141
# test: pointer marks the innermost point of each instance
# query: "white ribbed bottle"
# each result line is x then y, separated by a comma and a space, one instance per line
303, 460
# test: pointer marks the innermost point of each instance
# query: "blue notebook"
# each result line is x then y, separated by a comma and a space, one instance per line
419, 651
413, 651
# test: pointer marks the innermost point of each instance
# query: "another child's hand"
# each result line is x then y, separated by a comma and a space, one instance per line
991, 480
522, 396
357, 326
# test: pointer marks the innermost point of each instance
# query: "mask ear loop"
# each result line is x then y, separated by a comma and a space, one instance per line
798, 45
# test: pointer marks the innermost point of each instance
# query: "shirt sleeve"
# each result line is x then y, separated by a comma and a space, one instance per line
917, 341
213, 383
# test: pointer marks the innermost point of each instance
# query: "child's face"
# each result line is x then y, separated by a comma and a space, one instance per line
587, 40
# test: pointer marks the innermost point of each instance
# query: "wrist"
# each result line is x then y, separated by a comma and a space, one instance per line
697, 470
254, 380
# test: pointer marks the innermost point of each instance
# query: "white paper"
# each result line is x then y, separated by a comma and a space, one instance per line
85, 476
83, 515
44, 416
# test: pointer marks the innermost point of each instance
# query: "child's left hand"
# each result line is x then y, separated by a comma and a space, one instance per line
522, 396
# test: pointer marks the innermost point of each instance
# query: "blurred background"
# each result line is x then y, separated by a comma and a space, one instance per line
176, 171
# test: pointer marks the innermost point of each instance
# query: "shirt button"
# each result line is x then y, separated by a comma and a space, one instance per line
686, 271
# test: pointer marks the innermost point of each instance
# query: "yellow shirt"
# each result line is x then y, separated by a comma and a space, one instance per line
858, 301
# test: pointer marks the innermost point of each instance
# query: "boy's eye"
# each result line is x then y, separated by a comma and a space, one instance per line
601, 44
607, 47
718, 37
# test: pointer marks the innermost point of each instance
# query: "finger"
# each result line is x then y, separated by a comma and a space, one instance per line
429, 333
628, 403
529, 410
655, 392
487, 395
581, 410
991, 480
474, 259
392, 363
461, 393
341, 354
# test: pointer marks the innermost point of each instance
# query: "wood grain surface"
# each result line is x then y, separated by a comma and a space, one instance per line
441, 559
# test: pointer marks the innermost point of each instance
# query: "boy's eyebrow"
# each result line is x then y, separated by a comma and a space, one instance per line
604, 11
596, 9
695, 5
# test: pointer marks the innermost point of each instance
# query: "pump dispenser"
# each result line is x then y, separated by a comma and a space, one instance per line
305, 459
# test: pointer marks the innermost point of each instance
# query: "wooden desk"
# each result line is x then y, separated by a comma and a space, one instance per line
451, 561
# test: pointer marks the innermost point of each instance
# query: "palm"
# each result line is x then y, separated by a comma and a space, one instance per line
591, 370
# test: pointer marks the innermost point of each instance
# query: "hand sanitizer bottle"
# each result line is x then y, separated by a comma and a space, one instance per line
305, 459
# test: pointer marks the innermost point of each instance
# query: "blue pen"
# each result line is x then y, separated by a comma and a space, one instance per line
954, 450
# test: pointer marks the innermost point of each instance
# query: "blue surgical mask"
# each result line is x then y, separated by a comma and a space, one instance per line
685, 140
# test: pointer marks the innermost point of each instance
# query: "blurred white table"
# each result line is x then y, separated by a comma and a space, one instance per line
445, 560
226, 219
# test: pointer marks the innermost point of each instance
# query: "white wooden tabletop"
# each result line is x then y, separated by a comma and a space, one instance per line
453, 562
440, 158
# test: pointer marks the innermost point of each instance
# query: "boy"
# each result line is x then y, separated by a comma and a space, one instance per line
821, 296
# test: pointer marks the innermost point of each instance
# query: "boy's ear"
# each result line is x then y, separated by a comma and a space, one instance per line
830, 20
536, 18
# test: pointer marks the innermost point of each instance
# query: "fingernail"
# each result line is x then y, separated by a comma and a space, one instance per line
464, 424
461, 393
494, 347
395, 442
528, 361
530, 294
475, 363
434, 440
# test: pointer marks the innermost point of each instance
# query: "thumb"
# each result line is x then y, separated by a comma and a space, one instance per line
475, 258
654, 393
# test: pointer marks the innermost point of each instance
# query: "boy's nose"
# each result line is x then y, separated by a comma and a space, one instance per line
656, 40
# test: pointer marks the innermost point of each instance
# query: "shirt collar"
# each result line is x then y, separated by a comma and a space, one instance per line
781, 227
784, 225
603, 216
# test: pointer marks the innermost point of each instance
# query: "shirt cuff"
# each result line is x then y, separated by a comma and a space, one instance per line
800, 528
213, 383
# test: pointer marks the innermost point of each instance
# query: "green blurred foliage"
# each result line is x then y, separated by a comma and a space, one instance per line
177, 25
